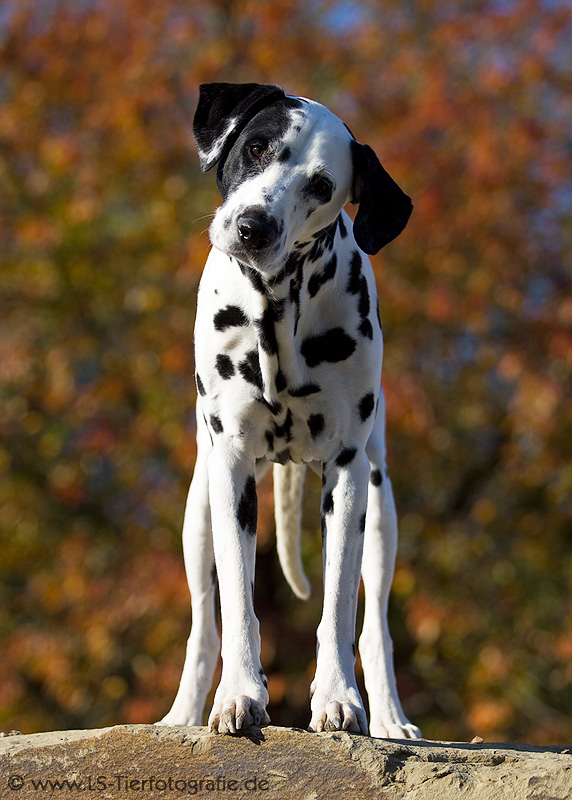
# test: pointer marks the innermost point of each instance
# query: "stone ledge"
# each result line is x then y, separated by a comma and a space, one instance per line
143, 761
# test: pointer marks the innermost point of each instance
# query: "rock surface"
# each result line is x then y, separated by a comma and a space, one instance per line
142, 761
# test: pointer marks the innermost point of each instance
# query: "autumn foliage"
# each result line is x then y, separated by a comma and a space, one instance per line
103, 219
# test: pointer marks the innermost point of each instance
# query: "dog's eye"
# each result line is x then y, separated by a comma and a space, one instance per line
322, 188
257, 149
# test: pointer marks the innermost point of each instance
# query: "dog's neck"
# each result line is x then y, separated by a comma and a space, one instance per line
277, 302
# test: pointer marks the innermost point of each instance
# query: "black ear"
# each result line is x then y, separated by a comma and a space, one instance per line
383, 208
222, 112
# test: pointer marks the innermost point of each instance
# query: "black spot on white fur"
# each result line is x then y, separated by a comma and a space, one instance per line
275, 408
363, 306
247, 511
284, 431
354, 279
216, 423
283, 456
366, 406
328, 503
376, 478
323, 241
304, 390
318, 279
230, 317
254, 277
267, 334
250, 369
280, 381
224, 366
366, 329
332, 346
316, 424
346, 456
265, 326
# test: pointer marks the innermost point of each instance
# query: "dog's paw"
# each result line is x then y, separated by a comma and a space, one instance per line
187, 709
237, 714
339, 716
168, 722
174, 720
394, 730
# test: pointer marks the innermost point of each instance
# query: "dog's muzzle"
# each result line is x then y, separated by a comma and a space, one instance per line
256, 229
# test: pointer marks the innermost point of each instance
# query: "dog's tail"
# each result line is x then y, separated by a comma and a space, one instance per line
288, 489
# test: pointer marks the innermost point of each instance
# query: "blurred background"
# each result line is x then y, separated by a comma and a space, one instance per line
103, 219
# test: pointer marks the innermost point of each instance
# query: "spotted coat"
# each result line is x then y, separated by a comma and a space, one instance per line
288, 352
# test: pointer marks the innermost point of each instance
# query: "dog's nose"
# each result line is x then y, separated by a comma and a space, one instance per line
256, 229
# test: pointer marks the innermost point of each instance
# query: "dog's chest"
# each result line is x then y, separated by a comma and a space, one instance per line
293, 372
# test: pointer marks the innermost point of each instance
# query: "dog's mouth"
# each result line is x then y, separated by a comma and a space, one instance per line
253, 237
266, 261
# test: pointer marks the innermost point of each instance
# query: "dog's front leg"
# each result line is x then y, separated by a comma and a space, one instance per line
336, 703
380, 548
203, 644
241, 697
376, 649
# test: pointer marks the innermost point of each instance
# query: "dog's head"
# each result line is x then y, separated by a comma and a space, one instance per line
286, 167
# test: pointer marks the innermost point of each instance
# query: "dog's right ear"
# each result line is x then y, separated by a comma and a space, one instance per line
223, 111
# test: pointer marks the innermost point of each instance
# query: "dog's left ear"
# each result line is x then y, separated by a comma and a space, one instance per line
222, 112
383, 208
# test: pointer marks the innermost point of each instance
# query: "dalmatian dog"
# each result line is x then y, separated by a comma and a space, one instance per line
288, 371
